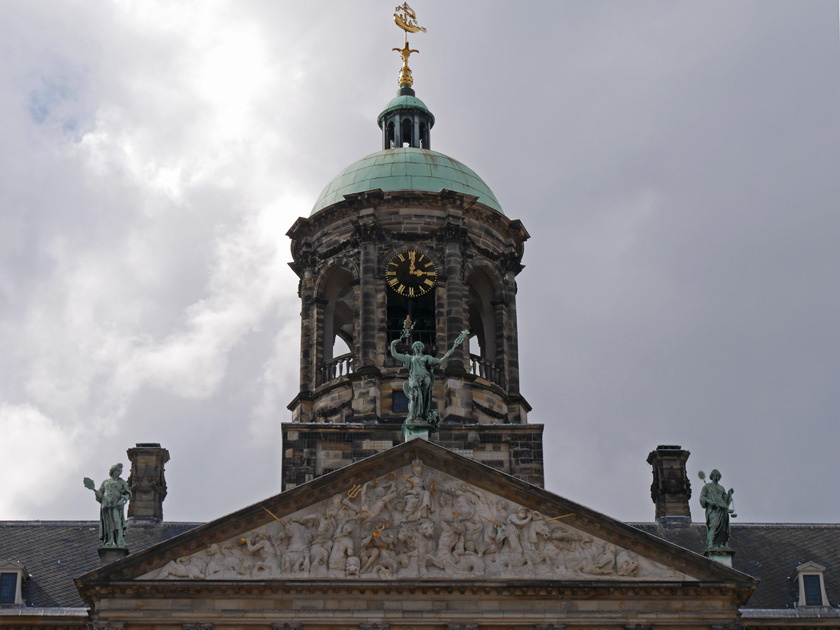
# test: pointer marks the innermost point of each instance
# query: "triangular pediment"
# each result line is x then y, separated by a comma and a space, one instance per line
416, 512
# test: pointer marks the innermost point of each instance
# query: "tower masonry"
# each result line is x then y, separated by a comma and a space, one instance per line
407, 232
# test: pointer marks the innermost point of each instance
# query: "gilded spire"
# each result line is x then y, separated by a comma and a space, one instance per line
406, 19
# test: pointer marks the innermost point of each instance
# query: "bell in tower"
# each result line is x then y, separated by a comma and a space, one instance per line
407, 245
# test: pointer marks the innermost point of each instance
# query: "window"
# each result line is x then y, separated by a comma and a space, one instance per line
12, 575
813, 596
400, 401
8, 588
810, 584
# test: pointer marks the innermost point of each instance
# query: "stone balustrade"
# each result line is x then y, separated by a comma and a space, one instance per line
335, 368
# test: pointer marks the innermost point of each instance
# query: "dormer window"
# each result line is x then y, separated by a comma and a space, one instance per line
810, 584
12, 575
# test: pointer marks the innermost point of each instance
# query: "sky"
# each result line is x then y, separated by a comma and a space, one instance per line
676, 164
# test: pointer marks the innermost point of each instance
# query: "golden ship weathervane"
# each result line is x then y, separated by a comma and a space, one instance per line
406, 19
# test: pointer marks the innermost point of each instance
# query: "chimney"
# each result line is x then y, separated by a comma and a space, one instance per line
147, 482
671, 488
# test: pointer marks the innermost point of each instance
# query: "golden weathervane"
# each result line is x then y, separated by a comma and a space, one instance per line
406, 19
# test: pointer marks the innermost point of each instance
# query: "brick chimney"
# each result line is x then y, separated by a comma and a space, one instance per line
671, 488
147, 482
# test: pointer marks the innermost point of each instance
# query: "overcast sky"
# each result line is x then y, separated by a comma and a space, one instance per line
676, 164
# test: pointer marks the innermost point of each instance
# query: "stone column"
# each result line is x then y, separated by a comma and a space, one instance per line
671, 488
511, 336
455, 310
367, 304
147, 482
501, 340
307, 346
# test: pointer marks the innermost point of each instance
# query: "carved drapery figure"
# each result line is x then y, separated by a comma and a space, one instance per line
112, 496
418, 498
717, 501
421, 379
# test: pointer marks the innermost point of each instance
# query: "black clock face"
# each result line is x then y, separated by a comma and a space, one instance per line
411, 273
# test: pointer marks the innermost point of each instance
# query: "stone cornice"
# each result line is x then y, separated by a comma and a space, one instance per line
554, 589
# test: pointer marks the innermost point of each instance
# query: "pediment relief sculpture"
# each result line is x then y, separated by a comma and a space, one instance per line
415, 523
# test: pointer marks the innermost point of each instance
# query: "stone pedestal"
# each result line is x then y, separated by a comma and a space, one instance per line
724, 556
414, 431
107, 555
671, 488
147, 482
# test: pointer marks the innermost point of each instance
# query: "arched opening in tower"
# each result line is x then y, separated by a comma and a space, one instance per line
424, 136
338, 315
390, 139
407, 132
482, 315
421, 309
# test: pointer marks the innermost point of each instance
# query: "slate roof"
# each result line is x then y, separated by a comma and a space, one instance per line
56, 552
769, 552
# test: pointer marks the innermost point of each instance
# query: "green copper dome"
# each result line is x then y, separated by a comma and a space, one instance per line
406, 168
405, 102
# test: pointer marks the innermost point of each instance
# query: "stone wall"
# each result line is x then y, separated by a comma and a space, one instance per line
311, 450
358, 236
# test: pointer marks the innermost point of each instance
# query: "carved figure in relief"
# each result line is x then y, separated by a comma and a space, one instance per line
296, 559
626, 563
381, 497
471, 561
322, 541
516, 524
189, 567
465, 504
237, 562
495, 530
353, 564
418, 498
559, 548
215, 561
425, 544
450, 545
377, 554
263, 552
343, 547
601, 561
406, 558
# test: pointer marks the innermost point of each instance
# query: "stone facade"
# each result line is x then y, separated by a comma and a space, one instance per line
340, 254
415, 537
311, 450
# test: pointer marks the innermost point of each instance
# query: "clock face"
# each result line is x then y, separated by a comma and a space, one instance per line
411, 273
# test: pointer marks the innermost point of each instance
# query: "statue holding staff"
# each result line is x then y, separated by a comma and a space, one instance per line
719, 505
112, 497
421, 379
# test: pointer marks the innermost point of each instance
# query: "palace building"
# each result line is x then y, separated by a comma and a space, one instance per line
453, 529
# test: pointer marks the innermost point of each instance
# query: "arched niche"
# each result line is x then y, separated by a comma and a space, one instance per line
482, 312
424, 136
422, 309
390, 136
407, 132
337, 295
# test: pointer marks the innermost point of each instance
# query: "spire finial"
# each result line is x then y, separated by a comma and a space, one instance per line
406, 19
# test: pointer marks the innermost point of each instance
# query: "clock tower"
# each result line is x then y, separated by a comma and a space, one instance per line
407, 231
